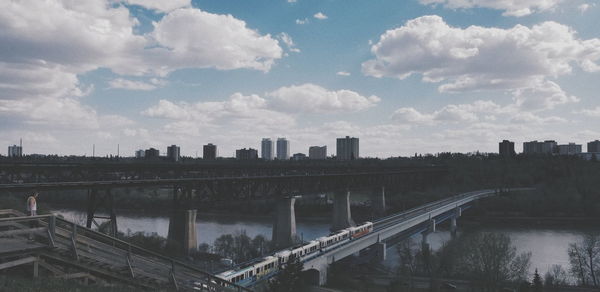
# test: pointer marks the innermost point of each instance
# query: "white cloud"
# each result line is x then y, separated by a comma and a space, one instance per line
121, 83
287, 40
316, 99
517, 60
302, 21
594, 112
528, 118
246, 111
449, 113
516, 8
161, 5
480, 58
194, 38
543, 95
292, 1
320, 15
343, 73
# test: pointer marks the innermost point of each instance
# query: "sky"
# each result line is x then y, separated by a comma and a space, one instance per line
411, 76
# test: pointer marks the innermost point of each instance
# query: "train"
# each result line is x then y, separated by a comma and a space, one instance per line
270, 265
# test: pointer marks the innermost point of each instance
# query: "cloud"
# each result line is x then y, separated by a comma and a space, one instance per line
343, 73
292, 1
121, 83
161, 5
246, 111
287, 40
517, 60
320, 15
302, 21
543, 95
449, 113
191, 38
316, 99
515, 8
594, 112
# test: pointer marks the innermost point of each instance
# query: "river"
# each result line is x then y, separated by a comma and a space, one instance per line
548, 246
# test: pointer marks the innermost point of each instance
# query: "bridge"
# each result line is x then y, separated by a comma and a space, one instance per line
422, 219
280, 182
55, 247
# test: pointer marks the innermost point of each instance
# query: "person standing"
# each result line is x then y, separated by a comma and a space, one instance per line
32, 204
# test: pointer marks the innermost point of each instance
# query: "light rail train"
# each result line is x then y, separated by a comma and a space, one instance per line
270, 265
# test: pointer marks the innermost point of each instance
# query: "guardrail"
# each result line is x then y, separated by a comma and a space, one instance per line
80, 245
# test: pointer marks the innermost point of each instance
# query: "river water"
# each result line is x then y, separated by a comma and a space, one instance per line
548, 246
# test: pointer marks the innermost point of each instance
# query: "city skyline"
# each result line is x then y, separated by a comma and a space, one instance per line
139, 74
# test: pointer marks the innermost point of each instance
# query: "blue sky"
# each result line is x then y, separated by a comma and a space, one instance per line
409, 76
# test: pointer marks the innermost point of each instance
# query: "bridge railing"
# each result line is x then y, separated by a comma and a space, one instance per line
180, 274
35, 229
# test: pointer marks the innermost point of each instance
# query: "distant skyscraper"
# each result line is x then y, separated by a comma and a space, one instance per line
15, 151
506, 148
173, 153
347, 148
283, 149
140, 153
535, 147
317, 152
246, 154
151, 153
593, 146
569, 149
266, 149
209, 152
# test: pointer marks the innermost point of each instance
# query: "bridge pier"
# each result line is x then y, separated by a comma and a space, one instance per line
380, 251
284, 226
97, 201
453, 225
342, 217
424, 239
182, 235
378, 201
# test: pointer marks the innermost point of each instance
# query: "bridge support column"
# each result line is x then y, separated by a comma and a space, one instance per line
182, 236
342, 217
453, 226
380, 251
284, 226
378, 201
96, 202
430, 229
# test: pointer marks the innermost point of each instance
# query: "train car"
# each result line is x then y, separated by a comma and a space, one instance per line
310, 247
242, 277
360, 230
283, 256
329, 241
265, 268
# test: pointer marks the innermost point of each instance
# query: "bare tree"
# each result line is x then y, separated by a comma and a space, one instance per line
584, 257
491, 260
556, 276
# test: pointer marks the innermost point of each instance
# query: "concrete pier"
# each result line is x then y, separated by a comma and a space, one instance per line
182, 231
342, 218
380, 251
453, 226
284, 225
378, 201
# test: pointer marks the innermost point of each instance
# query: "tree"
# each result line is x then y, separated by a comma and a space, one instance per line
224, 246
290, 278
556, 276
584, 257
490, 259
537, 282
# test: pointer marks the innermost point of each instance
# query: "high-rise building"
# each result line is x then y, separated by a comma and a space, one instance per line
246, 154
209, 152
506, 148
151, 153
266, 149
299, 156
569, 149
283, 149
317, 152
140, 153
15, 151
173, 153
593, 146
347, 148
535, 147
